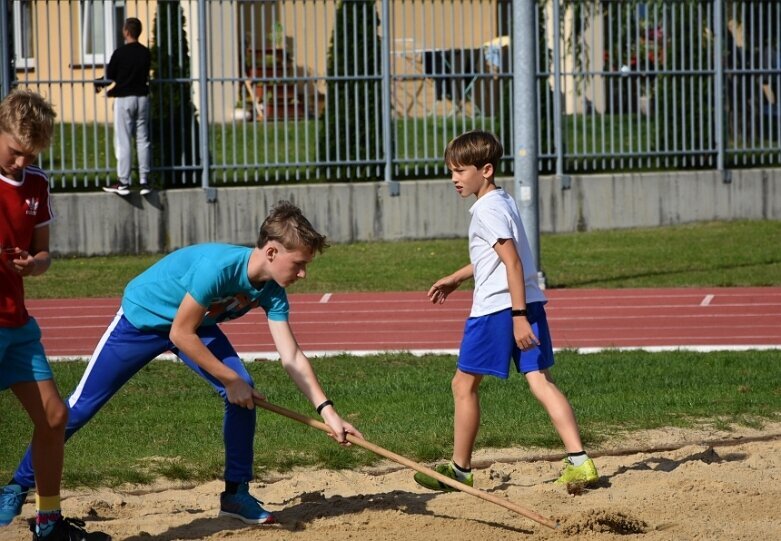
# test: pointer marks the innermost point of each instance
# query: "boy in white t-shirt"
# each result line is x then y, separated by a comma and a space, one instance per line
507, 320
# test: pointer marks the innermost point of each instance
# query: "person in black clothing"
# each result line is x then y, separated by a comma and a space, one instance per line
128, 69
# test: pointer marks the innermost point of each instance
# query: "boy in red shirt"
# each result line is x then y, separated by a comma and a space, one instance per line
26, 127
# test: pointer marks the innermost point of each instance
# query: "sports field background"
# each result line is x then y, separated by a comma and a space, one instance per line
158, 442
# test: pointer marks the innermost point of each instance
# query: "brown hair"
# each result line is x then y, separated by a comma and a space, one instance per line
476, 148
28, 118
133, 27
287, 225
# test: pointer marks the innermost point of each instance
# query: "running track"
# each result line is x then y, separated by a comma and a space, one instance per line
584, 319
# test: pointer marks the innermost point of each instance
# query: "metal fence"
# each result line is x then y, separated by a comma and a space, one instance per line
271, 91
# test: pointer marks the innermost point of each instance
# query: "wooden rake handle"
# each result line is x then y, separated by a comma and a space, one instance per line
528, 513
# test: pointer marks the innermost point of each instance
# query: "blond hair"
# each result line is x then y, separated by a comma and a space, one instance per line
287, 225
476, 148
28, 118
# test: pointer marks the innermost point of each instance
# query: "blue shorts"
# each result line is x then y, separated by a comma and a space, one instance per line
489, 345
22, 358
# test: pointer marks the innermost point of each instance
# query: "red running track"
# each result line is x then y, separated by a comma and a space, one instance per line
584, 319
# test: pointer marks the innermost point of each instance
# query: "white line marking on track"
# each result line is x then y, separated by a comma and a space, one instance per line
325, 298
706, 300
273, 355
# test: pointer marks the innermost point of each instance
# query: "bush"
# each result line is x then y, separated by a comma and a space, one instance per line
173, 118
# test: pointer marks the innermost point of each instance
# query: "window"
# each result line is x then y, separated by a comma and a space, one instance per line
24, 34
101, 29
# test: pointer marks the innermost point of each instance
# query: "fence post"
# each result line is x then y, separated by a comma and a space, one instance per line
558, 140
203, 81
6, 49
718, 88
525, 123
387, 122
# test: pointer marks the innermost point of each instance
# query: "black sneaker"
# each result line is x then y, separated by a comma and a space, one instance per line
69, 529
119, 188
146, 189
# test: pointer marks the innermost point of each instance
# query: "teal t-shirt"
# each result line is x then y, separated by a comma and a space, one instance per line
215, 275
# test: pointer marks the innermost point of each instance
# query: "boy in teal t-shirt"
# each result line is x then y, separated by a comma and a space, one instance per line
176, 304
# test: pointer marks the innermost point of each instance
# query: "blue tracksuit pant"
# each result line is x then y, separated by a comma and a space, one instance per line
124, 350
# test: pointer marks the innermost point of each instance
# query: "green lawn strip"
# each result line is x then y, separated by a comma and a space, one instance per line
168, 422
714, 254
244, 152
74, 277
718, 254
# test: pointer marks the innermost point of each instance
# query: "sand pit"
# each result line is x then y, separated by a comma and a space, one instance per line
666, 485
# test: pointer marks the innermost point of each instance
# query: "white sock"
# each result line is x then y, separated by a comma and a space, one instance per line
577, 459
461, 474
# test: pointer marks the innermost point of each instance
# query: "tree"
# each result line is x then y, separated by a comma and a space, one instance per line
173, 119
350, 127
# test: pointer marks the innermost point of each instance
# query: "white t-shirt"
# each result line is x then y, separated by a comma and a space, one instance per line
495, 216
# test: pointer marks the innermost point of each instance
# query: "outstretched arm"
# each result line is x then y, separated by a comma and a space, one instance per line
445, 286
298, 367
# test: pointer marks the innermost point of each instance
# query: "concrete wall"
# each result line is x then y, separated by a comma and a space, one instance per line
100, 223
655, 199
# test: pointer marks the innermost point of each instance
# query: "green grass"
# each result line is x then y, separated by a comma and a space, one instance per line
252, 152
273, 142
740, 253
87, 276
167, 422
244, 152
745, 253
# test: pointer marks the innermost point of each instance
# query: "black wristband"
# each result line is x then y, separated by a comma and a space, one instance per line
518, 313
323, 405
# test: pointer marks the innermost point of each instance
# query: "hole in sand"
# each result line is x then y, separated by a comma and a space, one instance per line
602, 521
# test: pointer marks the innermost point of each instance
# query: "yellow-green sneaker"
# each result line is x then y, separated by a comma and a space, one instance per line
585, 474
435, 484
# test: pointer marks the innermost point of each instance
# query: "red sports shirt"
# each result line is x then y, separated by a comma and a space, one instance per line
24, 206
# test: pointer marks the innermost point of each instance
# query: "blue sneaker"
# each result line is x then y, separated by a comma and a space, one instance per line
11, 500
245, 507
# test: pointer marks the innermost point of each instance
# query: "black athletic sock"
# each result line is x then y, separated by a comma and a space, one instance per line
231, 487
461, 473
459, 468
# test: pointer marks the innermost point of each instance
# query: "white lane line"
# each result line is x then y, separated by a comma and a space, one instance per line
273, 355
325, 298
706, 300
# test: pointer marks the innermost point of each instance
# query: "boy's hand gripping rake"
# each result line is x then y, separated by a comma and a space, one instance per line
528, 513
